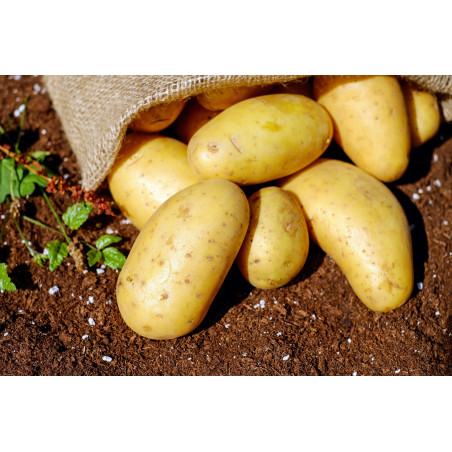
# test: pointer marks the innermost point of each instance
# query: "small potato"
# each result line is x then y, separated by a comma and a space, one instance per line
220, 99
147, 171
423, 114
277, 242
157, 118
261, 139
302, 87
180, 259
370, 121
357, 220
192, 118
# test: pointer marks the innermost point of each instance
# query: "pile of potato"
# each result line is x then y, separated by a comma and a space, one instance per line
195, 220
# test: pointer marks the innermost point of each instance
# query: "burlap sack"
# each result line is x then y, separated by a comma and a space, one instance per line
96, 110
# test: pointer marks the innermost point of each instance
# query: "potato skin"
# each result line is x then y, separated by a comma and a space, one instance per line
358, 221
276, 244
220, 99
180, 259
370, 121
423, 114
192, 118
147, 171
157, 118
261, 139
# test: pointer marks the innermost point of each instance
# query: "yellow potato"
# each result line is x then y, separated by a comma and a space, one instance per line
147, 171
261, 139
157, 118
301, 86
220, 99
358, 221
277, 242
423, 114
370, 121
191, 119
180, 259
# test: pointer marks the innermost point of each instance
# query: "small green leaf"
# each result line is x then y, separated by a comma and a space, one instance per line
94, 256
39, 155
106, 240
57, 252
113, 258
7, 168
77, 214
5, 280
39, 258
2, 130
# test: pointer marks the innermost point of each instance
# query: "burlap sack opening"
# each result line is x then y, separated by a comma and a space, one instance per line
96, 110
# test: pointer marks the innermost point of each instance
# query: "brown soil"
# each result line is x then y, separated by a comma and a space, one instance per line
314, 326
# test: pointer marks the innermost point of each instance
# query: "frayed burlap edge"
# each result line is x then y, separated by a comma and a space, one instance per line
95, 110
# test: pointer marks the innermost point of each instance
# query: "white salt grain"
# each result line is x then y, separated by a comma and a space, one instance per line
445, 223
262, 303
85, 336
435, 157
420, 285
416, 196
107, 358
437, 313
125, 221
428, 188
5, 334
437, 182
285, 358
313, 316
91, 321
90, 299
397, 371
227, 325
355, 374
279, 333
53, 290
349, 340
19, 110
100, 271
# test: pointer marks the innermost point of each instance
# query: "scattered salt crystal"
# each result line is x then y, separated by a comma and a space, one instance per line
428, 188
125, 221
420, 285
100, 271
313, 316
53, 290
355, 374
85, 272
278, 333
2, 217
227, 325
437, 313
5, 334
19, 110
91, 321
17, 77
107, 358
349, 340
434, 275
416, 196
437, 182
397, 371
256, 306
420, 191
45, 252
110, 230
20, 311
445, 223
85, 336
90, 299
435, 157
285, 358
103, 266
262, 304
36, 88
43, 131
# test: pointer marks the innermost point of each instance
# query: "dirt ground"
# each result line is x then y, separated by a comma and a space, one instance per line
68, 323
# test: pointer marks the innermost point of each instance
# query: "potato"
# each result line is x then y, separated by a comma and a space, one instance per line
370, 121
261, 139
358, 221
423, 114
148, 170
301, 86
157, 118
220, 99
191, 119
276, 244
180, 259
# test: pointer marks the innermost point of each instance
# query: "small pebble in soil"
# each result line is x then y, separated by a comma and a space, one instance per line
107, 358
54, 290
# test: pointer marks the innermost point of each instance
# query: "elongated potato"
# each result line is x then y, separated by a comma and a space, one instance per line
370, 121
358, 221
276, 244
180, 259
220, 99
148, 170
192, 118
157, 118
423, 114
261, 139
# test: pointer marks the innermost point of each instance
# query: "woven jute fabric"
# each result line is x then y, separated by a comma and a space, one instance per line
95, 110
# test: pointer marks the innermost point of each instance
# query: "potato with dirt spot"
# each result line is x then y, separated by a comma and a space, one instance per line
370, 121
261, 139
148, 170
357, 220
157, 118
276, 244
423, 114
180, 259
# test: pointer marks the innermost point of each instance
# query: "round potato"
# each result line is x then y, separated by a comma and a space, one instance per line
148, 170
192, 118
370, 121
357, 220
423, 114
276, 244
157, 118
220, 99
261, 139
180, 259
